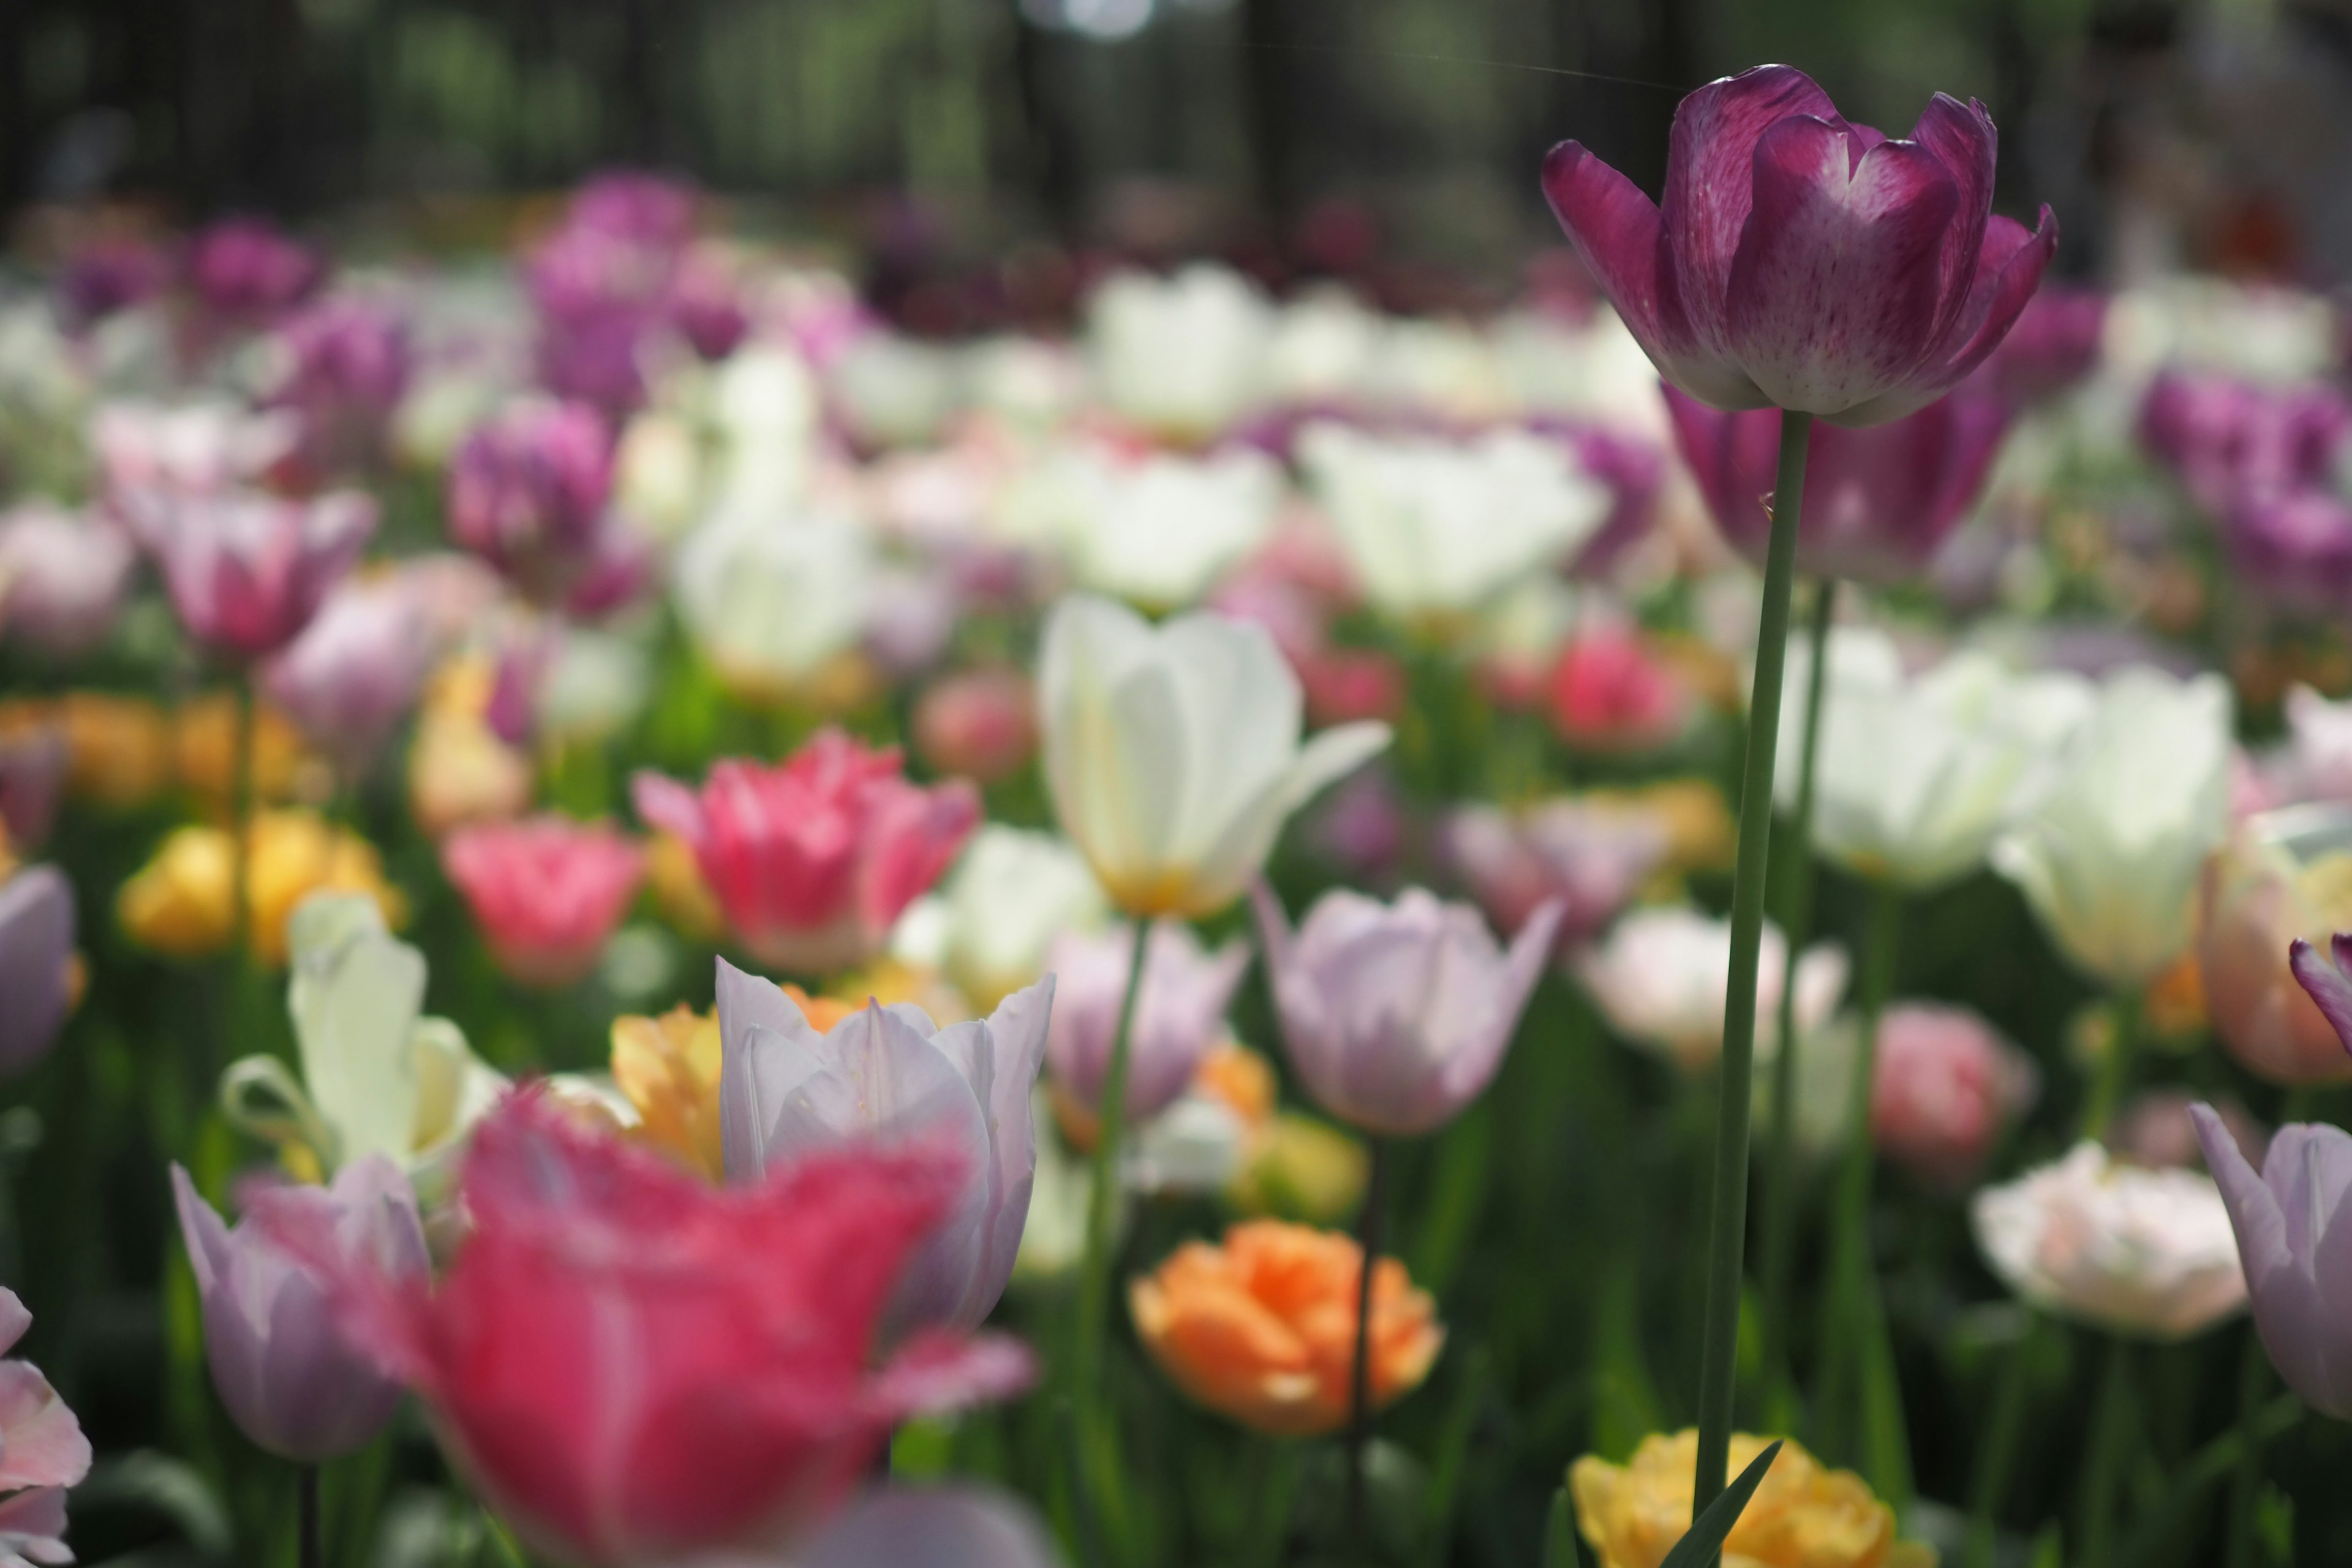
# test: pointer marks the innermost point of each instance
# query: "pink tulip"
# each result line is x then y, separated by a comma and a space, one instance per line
633, 1367
1590, 859
1945, 1088
248, 270
42, 1453
2325, 974
1397, 1015
357, 670
1179, 1017
1803, 262
547, 891
346, 365
247, 571
979, 723
813, 860
1879, 502
1609, 693
62, 578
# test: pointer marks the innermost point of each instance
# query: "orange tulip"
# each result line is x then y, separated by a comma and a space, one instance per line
1263, 1329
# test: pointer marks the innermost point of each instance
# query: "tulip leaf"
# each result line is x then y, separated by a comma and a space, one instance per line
1559, 1533
1707, 1532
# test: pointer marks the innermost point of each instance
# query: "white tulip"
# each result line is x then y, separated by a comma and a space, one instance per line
657, 471
2109, 857
1661, 977
1182, 356
893, 391
764, 401
378, 1078
1915, 775
2130, 1249
1013, 892
1595, 372
1173, 752
1444, 369
1159, 532
1323, 349
1436, 527
769, 602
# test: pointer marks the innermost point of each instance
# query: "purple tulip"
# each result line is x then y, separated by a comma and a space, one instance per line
2295, 549
1178, 1018
347, 364
1589, 859
2234, 444
248, 270
1803, 262
2294, 1238
2054, 345
356, 670
529, 493
246, 570
33, 762
1879, 502
2327, 976
291, 1379
37, 964
1398, 1014
62, 577
892, 1075
110, 275
629, 204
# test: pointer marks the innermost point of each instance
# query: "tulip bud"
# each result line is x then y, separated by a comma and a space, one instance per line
981, 723
2284, 875
1178, 1016
547, 892
2286, 1221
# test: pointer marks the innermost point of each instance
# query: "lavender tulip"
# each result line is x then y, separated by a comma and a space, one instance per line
1878, 502
283, 1365
37, 964
2294, 1237
247, 571
1177, 1016
890, 1074
62, 577
1397, 1015
33, 761
529, 493
2327, 976
346, 365
1803, 262
356, 670
1587, 857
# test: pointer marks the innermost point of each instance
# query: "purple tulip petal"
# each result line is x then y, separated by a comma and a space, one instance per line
2009, 269
36, 936
1962, 137
1833, 296
2328, 983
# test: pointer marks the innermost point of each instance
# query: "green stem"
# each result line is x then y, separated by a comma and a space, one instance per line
2187, 1485
1359, 1381
1727, 1232
240, 824
1856, 1324
2246, 1481
1102, 1212
2114, 1067
2104, 1469
1999, 1450
306, 1482
1795, 878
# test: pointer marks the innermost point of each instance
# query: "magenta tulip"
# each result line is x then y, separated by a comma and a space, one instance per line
247, 570
248, 270
2054, 344
1803, 262
1879, 502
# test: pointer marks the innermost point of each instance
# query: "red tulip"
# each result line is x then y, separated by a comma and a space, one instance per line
1879, 503
814, 859
1803, 262
1611, 693
634, 1367
546, 891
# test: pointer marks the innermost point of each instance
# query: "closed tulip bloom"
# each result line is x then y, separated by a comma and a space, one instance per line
1263, 1329
1173, 752
1437, 529
1398, 1016
1184, 356
528, 493
2109, 857
356, 670
979, 723
2284, 876
292, 1378
1879, 502
2131, 1251
546, 891
1945, 1087
1801, 1516
2294, 549
1915, 774
343, 365
813, 860
62, 578
1011, 896
248, 269
1179, 1014
1159, 530
1609, 691
2233, 441
1661, 977
2294, 1238
886, 1078
247, 571
1588, 858
632, 1367
774, 605
38, 973
1803, 262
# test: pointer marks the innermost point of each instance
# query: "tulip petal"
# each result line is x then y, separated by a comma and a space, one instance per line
1832, 294
15, 1319
947, 1527
41, 1442
665, 804
2324, 978
1470, 1071
1963, 138
355, 995
936, 1372
1000, 1060
37, 935
2009, 269
32, 1525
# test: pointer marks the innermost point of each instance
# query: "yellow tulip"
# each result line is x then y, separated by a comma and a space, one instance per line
180, 903
668, 1068
1802, 1516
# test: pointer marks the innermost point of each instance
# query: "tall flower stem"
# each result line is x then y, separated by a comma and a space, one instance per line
1360, 1379
1856, 1326
2115, 1067
1727, 1224
2246, 1480
2104, 1469
1095, 1268
240, 824
306, 1509
1998, 1449
1794, 882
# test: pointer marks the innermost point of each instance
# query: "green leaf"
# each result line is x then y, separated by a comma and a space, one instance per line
1707, 1532
1559, 1533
